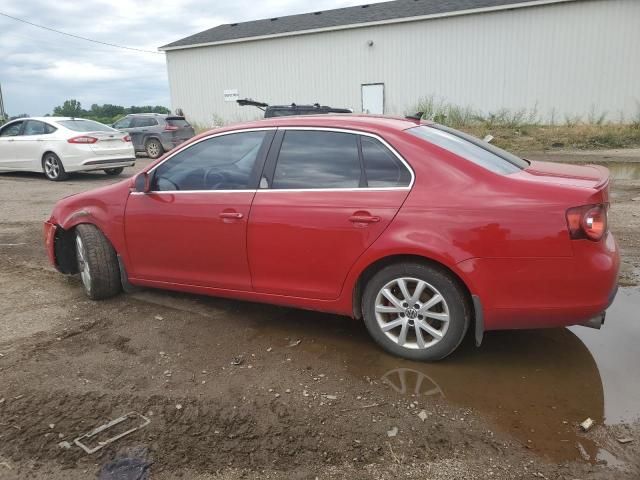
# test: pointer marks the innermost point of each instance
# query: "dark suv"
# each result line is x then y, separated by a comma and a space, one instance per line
155, 133
271, 111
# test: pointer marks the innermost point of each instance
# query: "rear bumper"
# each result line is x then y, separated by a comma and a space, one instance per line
519, 293
101, 163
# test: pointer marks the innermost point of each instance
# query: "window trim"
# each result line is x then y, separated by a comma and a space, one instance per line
270, 159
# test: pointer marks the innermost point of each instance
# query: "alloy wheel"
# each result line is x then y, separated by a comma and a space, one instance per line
51, 167
83, 265
412, 313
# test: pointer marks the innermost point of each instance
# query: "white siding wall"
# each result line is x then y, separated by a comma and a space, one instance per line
565, 59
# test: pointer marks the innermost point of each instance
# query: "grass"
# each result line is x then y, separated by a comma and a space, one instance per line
523, 130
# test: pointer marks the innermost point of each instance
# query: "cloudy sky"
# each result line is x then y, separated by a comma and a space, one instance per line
40, 69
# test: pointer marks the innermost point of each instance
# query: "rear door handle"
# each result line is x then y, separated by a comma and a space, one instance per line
364, 219
232, 215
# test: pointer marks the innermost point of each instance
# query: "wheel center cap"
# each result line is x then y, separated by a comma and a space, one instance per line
411, 313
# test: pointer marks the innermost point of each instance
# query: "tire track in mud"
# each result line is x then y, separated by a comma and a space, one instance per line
203, 435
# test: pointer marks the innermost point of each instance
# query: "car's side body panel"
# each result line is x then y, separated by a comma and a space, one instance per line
504, 236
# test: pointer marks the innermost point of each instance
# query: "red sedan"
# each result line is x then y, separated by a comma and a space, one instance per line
421, 230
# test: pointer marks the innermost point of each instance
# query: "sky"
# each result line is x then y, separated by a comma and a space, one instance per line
40, 69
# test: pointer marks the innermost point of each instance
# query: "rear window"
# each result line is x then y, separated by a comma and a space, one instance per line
85, 126
178, 122
470, 148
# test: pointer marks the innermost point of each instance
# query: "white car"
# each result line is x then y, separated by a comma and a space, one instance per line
59, 145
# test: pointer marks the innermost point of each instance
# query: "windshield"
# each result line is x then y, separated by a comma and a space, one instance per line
78, 125
470, 148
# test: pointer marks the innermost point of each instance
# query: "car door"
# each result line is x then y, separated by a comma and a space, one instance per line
316, 211
29, 145
8, 146
191, 228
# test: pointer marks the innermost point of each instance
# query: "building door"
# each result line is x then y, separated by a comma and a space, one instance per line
373, 98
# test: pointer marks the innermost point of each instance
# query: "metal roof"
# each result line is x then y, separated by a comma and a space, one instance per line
350, 17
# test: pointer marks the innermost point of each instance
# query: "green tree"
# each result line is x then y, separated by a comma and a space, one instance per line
70, 108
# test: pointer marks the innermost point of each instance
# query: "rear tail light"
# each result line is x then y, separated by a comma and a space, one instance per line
83, 139
587, 221
126, 138
170, 128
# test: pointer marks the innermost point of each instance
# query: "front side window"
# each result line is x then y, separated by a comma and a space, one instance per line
123, 123
383, 169
317, 159
225, 162
470, 148
11, 130
78, 125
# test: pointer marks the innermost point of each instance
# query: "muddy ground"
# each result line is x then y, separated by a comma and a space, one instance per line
241, 390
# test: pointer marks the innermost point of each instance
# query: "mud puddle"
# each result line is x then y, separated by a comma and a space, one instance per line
619, 170
537, 385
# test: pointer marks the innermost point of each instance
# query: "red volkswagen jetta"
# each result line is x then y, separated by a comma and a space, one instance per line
421, 230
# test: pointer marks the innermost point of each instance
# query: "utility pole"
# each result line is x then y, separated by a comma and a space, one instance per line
3, 114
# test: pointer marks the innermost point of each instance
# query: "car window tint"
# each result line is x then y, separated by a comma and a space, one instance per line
78, 125
123, 123
220, 163
33, 127
382, 167
11, 130
49, 128
472, 149
316, 159
178, 122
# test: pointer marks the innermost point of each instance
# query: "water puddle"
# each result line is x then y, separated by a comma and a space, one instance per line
537, 385
619, 170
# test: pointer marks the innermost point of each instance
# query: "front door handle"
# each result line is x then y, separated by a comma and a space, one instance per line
364, 219
231, 215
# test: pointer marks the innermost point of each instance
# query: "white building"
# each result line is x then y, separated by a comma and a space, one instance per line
563, 58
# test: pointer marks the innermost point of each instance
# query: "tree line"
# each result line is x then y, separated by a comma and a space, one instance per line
106, 113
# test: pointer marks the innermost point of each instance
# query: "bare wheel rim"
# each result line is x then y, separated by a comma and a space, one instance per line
412, 313
83, 266
51, 166
153, 149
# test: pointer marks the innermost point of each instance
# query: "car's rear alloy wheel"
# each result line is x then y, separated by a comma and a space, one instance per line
154, 148
114, 171
53, 168
97, 263
416, 311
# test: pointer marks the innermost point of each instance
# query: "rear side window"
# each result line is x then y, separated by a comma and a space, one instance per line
78, 125
144, 122
178, 122
34, 127
470, 148
316, 159
219, 163
382, 167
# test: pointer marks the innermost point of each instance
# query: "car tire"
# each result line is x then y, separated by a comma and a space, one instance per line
114, 171
153, 148
97, 263
400, 302
53, 168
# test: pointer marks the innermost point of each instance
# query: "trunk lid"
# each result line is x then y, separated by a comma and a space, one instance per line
109, 143
585, 176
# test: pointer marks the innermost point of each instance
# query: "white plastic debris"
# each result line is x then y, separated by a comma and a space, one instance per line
393, 432
586, 425
422, 415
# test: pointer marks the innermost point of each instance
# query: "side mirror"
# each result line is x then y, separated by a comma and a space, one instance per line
143, 182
